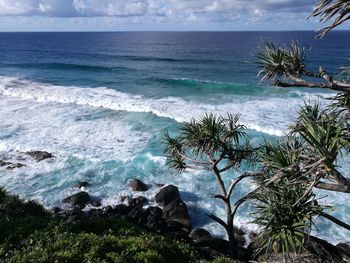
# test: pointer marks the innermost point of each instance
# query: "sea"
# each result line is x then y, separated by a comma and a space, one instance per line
101, 103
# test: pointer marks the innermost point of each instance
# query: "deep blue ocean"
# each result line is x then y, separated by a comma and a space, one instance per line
101, 103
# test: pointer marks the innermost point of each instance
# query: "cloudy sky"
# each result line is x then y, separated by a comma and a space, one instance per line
114, 15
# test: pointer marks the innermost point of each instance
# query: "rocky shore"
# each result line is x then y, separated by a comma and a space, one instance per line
170, 218
167, 214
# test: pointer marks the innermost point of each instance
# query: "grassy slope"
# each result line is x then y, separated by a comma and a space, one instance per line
31, 234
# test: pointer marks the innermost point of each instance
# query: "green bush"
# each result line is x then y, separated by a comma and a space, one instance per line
30, 234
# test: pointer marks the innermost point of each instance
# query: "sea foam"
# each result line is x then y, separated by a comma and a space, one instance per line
266, 115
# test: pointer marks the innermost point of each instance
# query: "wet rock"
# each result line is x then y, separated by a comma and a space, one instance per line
138, 201
11, 166
177, 211
199, 234
155, 220
81, 184
167, 195
79, 200
39, 155
137, 185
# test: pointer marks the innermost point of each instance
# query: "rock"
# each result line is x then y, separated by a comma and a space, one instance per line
137, 185
81, 184
167, 195
138, 216
199, 234
11, 166
80, 199
138, 201
155, 220
39, 155
177, 211
120, 210
345, 247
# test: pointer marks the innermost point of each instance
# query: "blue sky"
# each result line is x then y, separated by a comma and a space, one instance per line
129, 15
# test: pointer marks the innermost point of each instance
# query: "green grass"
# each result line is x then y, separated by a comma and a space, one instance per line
30, 234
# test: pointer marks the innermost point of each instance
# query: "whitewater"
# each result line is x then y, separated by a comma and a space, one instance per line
103, 112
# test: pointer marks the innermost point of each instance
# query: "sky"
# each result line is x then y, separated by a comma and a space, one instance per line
157, 15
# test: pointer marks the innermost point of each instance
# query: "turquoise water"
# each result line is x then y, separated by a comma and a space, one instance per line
101, 103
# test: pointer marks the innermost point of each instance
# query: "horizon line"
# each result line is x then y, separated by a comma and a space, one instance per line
165, 31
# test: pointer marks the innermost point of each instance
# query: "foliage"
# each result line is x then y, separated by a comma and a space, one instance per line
216, 144
280, 61
325, 133
56, 244
285, 215
326, 10
219, 137
30, 234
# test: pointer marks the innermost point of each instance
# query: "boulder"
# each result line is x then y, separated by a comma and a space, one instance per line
155, 220
10, 166
199, 234
138, 201
176, 211
324, 250
79, 200
81, 184
39, 155
344, 247
167, 195
137, 185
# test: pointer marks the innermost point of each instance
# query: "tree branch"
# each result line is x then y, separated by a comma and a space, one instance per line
216, 219
341, 180
331, 187
235, 182
335, 220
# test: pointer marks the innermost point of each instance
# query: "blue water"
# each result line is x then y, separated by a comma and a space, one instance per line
102, 101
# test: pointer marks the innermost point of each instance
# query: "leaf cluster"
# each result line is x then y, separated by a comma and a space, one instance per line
279, 61
214, 137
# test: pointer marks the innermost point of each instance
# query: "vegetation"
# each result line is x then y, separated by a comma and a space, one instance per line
328, 9
215, 144
286, 66
307, 159
31, 234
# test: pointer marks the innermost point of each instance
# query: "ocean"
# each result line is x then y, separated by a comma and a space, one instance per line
101, 102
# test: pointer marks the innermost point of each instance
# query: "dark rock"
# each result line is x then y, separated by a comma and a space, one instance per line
324, 250
167, 195
81, 184
177, 211
80, 199
56, 210
138, 216
75, 214
11, 166
199, 234
96, 212
155, 220
40, 155
138, 201
96, 203
121, 210
137, 185
345, 247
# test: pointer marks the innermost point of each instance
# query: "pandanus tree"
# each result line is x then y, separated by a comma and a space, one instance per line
216, 145
284, 201
336, 10
286, 66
